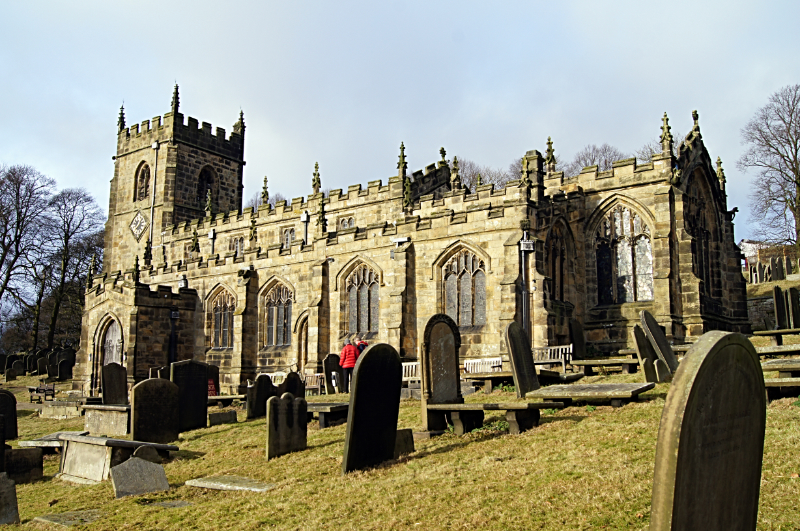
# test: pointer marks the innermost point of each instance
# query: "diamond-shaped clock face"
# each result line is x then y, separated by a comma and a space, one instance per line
138, 225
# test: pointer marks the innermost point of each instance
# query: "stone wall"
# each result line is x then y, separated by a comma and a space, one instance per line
762, 313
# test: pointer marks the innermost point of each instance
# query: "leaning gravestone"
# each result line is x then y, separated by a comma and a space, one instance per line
191, 377
114, 382
8, 408
9, 512
658, 340
154, 411
521, 356
287, 425
647, 356
330, 365
578, 340
711, 439
213, 380
137, 476
440, 381
257, 395
374, 408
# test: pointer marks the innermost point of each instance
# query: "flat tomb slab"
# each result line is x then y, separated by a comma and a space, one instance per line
485, 375
781, 365
118, 443
507, 406
781, 382
318, 407
779, 350
51, 440
547, 376
608, 361
71, 518
230, 483
592, 391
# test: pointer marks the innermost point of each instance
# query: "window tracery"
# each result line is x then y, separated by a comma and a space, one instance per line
363, 300
222, 320
278, 316
142, 183
288, 238
464, 285
624, 258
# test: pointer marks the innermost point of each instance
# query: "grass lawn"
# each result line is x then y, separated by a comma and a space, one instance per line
583, 467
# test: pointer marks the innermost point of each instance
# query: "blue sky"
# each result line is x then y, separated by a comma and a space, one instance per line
343, 83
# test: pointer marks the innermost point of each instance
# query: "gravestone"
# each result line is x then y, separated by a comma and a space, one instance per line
659, 341
330, 366
287, 425
41, 366
213, 380
777, 269
578, 340
439, 367
374, 407
159, 372
521, 356
148, 453
2, 444
663, 373
404, 443
10, 359
24, 465
3, 358
779, 304
9, 512
154, 411
19, 367
64, 370
191, 377
114, 383
137, 476
647, 356
11, 375
711, 439
8, 408
793, 306
292, 384
231, 483
257, 395
222, 417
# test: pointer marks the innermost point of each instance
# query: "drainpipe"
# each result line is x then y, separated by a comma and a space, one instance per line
153, 194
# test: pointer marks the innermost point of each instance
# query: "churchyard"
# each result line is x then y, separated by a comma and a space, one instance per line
583, 467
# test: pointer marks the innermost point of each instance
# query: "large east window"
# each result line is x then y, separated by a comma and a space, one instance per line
624, 258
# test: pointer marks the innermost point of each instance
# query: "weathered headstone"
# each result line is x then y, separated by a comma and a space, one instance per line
3, 358
287, 425
439, 366
148, 453
19, 367
154, 411
521, 356
114, 382
191, 377
41, 367
711, 439
292, 384
64, 370
222, 417
9, 512
8, 408
662, 372
330, 365
374, 408
578, 339
404, 443
658, 340
24, 465
257, 395
137, 476
11, 375
644, 351
159, 372
213, 380
779, 304
793, 305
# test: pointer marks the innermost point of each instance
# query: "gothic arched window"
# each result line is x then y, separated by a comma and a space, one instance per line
141, 189
205, 182
288, 238
278, 316
363, 300
236, 245
222, 320
624, 258
347, 223
557, 261
464, 284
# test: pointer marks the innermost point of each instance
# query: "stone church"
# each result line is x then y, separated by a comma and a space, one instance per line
189, 273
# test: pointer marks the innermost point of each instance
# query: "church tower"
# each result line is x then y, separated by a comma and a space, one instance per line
166, 172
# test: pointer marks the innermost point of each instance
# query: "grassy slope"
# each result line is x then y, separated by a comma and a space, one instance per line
581, 468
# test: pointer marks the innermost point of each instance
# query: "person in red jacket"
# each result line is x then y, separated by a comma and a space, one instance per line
347, 360
360, 345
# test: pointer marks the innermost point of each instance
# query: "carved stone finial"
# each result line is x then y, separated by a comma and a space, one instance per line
322, 223
265, 193
90, 273
175, 99
136, 270
666, 136
550, 158
195, 245
402, 165
208, 203
148, 252
407, 199
721, 174
253, 231
696, 118
121, 119
442, 152
239, 126
455, 178
525, 224
524, 178
316, 182
163, 253
480, 180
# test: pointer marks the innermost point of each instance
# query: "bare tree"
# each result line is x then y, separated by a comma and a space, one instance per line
602, 156
469, 170
772, 138
255, 200
646, 153
24, 196
76, 217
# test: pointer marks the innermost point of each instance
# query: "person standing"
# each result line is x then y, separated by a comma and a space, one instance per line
361, 345
347, 360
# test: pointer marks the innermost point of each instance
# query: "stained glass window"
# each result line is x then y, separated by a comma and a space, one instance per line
363, 301
278, 316
624, 258
464, 289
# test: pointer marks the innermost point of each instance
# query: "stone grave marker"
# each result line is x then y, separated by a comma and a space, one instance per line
779, 303
404, 444
663, 373
3, 358
659, 341
191, 377
137, 476
11, 375
154, 411
521, 356
148, 453
19, 367
230, 483
578, 339
711, 439
114, 383
330, 365
647, 356
10, 359
24, 465
222, 417
2, 444
8, 408
9, 512
793, 306
257, 395
213, 380
293, 384
41, 367
70, 518
439, 368
64, 370
287, 425
374, 407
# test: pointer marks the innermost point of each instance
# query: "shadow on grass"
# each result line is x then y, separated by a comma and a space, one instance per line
573, 418
26, 412
188, 455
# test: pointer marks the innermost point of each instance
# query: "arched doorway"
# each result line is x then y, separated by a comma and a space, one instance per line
302, 346
110, 351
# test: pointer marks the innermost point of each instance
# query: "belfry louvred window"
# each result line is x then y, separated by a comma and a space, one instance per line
222, 320
278, 317
464, 284
624, 258
142, 184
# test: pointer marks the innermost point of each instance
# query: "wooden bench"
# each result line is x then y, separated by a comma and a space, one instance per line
411, 373
629, 365
776, 336
521, 416
315, 383
786, 368
782, 387
42, 391
482, 365
330, 414
778, 350
617, 394
553, 356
